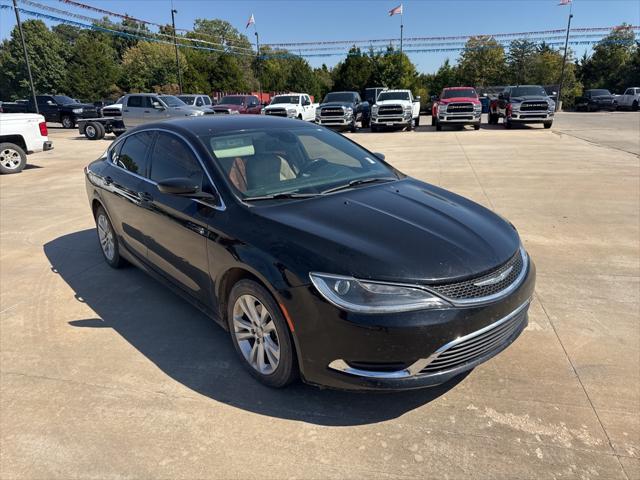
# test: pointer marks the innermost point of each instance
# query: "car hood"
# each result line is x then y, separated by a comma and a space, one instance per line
87, 106
393, 102
281, 105
603, 97
404, 231
446, 101
228, 106
336, 104
530, 98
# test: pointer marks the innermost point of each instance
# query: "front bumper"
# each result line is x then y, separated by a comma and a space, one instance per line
335, 121
531, 117
391, 120
351, 351
466, 118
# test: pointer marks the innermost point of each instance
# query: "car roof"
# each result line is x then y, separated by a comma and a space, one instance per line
459, 88
212, 124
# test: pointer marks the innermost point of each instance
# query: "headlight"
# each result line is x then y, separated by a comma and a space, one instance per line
478, 107
442, 108
515, 107
374, 109
407, 108
77, 110
195, 113
552, 106
234, 112
361, 296
291, 111
262, 112
349, 110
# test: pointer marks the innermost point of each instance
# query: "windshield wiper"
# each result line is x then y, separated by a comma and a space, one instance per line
359, 181
280, 196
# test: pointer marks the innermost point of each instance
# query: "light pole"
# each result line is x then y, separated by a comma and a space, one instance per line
564, 61
175, 44
258, 64
26, 57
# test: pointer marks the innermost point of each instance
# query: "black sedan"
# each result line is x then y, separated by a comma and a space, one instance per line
321, 260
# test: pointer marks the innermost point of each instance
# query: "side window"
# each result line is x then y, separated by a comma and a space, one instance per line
207, 101
133, 154
629, 91
135, 101
199, 102
172, 158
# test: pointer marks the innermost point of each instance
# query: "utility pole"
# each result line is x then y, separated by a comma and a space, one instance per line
564, 60
258, 63
175, 44
401, 29
26, 57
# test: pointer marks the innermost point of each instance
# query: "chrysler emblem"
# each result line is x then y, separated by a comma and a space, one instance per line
493, 280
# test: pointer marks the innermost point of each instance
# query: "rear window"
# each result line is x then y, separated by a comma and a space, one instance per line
133, 154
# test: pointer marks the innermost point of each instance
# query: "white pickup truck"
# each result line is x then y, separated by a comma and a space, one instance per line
21, 134
629, 99
292, 105
395, 108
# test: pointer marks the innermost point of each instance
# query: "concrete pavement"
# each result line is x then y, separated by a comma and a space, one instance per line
107, 374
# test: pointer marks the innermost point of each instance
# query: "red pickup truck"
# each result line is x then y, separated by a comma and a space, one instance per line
234, 104
457, 106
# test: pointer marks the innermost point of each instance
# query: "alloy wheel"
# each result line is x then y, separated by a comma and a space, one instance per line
91, 131
10, 159
256, 335
105, 234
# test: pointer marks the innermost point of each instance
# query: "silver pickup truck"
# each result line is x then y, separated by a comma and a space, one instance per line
137, 109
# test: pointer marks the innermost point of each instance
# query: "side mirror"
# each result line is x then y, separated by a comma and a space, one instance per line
435, 98
178, 186
379, 155
158, 106
501, 96
51, 102
417, 99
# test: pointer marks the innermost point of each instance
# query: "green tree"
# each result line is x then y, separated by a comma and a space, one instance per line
446, 76
93, 69
606, 67
519, 60
482, 62
150, 67
393, 69
325, 81
354, 72
45, 56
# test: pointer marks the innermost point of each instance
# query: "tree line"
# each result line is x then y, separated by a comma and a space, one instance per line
92, 64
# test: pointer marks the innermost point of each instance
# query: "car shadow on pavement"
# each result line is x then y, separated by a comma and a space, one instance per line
192, 349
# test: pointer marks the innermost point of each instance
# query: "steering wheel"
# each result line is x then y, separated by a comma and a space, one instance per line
313, 165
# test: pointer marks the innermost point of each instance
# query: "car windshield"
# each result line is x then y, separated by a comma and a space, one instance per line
528, 91
188, 100
63, 99
339, 97
599, 93
393, 96
232, 100
292, 161
120, 100
467, 92
285, 99
172, 101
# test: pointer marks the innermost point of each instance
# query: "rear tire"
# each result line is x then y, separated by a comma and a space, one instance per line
108, 239
12, 158
94, 131
262, 340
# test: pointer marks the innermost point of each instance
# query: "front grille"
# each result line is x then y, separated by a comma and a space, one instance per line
460, 107
469, 289
279, 112
332, 112
390, 110
111, 112
477, 345
533, 106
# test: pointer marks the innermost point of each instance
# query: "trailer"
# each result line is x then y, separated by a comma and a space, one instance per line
97, 128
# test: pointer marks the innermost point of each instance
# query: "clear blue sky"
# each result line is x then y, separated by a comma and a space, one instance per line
323, 20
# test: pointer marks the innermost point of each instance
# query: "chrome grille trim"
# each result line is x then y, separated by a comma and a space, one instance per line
460, 107
532, 106
470, 347
445, 290
332, 112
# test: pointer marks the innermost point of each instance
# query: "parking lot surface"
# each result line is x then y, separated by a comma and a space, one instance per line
107, 374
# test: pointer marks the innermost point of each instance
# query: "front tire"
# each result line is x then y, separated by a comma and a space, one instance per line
634, 106
354, 127
506, 123
260, 335
12, 158
438, 127
548, 124
417, 122
374, 127
108, 239
476, 126
68, 121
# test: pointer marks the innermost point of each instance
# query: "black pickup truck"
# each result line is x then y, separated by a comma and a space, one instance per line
522, 104
55, 109
343, 110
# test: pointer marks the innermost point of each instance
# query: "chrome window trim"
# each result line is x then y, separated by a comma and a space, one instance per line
222, 207
415, 368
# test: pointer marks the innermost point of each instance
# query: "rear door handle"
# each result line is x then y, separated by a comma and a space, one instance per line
147, 111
